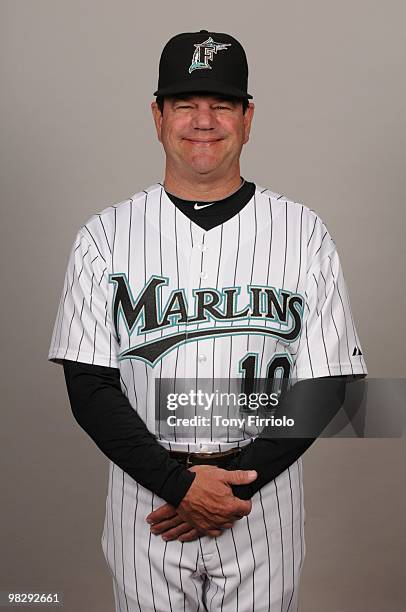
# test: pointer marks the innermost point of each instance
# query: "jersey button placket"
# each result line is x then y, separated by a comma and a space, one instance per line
207, 278
197, 278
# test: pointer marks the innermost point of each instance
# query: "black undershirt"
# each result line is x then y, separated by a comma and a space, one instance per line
104, 412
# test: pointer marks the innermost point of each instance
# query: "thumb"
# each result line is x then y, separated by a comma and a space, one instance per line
240, 477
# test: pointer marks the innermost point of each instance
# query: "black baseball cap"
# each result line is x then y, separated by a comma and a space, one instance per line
203, 62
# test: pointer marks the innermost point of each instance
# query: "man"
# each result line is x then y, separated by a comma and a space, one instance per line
206, 277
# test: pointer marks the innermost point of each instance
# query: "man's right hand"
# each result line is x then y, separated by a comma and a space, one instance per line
209, 503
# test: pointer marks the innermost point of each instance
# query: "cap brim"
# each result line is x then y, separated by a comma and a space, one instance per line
203, 84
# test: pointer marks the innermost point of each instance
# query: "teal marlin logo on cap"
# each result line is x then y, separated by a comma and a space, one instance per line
207, 49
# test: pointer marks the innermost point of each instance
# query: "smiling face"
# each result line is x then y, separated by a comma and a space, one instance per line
202, 136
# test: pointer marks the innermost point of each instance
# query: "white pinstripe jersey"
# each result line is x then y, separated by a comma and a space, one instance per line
151, 293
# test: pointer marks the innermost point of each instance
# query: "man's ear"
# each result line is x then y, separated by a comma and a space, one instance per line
157, 115
248, 116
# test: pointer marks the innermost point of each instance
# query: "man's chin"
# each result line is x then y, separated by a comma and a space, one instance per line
204, 166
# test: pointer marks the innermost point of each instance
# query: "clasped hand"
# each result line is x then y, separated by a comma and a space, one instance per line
208, 507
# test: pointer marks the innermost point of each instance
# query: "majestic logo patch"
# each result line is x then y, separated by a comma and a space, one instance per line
147, 313
204, 52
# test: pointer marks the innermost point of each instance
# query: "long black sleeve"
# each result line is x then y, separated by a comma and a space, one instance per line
312, 404
104, 412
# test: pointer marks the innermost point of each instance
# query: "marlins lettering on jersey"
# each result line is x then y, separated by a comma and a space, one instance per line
209, 304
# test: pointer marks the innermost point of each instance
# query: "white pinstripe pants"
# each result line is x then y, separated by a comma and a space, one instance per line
253, 567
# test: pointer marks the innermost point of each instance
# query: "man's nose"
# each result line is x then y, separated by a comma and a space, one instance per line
204, 119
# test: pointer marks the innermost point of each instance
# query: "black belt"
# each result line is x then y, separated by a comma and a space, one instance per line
218, 459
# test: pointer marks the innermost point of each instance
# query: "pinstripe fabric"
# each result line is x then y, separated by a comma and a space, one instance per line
272, 244
255, 565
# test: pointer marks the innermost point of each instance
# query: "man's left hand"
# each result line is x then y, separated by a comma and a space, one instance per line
165, 521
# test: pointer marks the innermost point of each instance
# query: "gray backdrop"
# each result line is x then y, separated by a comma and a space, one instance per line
76, 136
